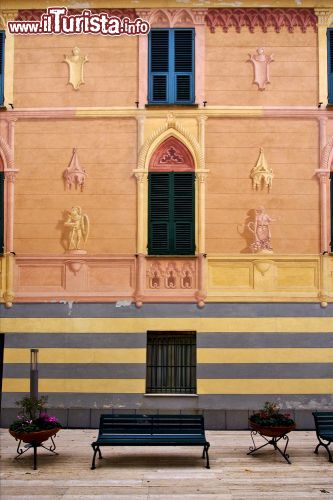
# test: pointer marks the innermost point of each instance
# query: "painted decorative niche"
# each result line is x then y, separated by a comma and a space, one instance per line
75, 175
261, 175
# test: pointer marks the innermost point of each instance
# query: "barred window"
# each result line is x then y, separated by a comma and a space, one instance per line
171, 362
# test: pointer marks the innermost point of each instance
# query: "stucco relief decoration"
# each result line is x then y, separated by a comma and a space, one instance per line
75, 68
187, 274
261, 175
77, 224
75, 175
261, 231
262, 18
260, 62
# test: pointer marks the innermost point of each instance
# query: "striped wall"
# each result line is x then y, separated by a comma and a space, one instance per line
92, 356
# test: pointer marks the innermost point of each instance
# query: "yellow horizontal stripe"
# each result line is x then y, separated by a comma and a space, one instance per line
133, 325
204, 355
260, 355
76, 355
108, 386
205, 386
265, 386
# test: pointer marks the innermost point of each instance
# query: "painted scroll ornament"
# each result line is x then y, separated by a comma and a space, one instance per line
261, 64
261, 232
75, 68
261, 175
78, 224
74, 173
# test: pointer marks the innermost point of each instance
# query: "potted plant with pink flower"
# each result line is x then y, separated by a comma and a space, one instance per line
269, 421
33, 424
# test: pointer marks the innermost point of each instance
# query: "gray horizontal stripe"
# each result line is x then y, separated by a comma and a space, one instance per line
139, 340
265, 370
84, 340
77, 370
261, 340
165, 310
204, 371
124, 402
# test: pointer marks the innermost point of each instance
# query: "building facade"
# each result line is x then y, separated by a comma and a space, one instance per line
166, 215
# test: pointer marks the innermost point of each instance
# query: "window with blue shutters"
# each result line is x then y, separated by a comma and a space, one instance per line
171, 66
330, 64
2, 66
171, 213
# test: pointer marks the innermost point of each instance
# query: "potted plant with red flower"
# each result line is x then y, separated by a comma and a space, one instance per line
269, 421
33, 424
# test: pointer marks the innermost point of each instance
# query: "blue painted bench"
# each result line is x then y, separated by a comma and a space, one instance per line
324, 430
151, 430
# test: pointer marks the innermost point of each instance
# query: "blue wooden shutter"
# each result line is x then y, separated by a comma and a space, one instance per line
184, 66
2, 66
330, 64
2, 203
183, 213
159, 61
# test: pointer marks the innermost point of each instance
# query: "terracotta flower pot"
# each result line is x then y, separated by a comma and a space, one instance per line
272, 431
37, 437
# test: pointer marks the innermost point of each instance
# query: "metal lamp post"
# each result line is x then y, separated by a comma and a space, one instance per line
34, 373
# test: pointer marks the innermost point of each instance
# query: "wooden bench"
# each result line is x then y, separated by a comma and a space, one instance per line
324, 430
151, 430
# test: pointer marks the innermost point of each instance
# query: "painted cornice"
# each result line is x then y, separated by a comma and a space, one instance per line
136, 4
209, 112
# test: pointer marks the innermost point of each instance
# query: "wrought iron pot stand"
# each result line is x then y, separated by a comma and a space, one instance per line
272, 437
34, 444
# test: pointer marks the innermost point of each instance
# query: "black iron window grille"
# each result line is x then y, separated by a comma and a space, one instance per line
171, 362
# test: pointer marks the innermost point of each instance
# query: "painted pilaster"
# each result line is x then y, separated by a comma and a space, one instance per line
141, 177
324, 17
323, 296
143, 63
141, 131
9, 236
200, 57
5, 16
323, 176
322, 133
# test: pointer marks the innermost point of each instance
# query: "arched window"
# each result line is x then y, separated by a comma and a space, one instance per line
171, 207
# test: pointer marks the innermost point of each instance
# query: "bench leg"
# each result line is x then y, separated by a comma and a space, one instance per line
326, 446
99, 453
206, 447
96, 449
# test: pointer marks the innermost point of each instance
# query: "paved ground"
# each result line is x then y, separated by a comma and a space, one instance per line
166, 472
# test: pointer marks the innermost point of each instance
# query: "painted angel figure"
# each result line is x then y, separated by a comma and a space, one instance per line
261, 64
79, 229
261, 231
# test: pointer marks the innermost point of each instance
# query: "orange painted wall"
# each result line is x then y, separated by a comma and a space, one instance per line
293, 74
41, 76
291, 150
107, 150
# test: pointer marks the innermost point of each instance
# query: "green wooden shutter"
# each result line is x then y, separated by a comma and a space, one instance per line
159, 214
2, 66
171, 213
2, 203
330, 64
183, 213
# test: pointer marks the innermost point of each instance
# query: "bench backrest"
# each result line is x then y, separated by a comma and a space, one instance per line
151, 424
323, 421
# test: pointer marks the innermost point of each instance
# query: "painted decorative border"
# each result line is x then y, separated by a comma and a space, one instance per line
35, 14
262, 18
